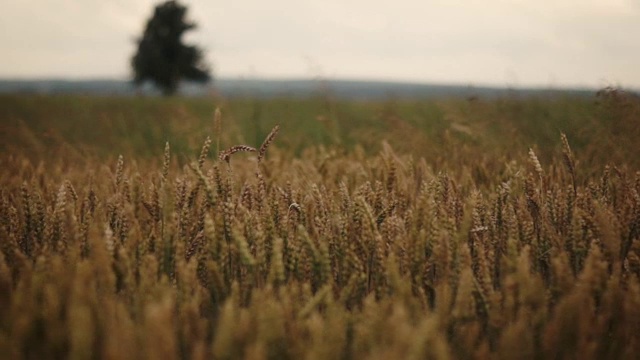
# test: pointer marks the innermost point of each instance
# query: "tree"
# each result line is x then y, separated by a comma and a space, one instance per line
162, 57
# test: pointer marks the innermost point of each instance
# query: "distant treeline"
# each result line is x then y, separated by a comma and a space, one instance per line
256, 88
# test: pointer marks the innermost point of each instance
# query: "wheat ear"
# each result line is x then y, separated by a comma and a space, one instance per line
568, 160
267, 141
217, 127
225, 155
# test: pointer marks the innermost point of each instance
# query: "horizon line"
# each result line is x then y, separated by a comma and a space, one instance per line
276, 79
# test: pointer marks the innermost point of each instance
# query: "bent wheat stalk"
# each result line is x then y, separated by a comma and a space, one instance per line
226, 155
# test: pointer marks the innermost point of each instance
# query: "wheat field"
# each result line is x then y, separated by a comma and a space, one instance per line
285, 229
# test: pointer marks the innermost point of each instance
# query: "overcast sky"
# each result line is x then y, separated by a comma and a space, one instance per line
486, 42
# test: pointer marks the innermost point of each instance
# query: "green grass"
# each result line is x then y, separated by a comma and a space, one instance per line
447, 133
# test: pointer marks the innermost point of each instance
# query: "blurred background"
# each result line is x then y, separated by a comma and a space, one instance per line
492, 43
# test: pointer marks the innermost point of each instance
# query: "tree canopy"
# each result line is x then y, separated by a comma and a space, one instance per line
162, 57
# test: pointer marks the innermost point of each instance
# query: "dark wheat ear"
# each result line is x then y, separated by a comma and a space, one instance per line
225, 155
267, 141
569, 160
